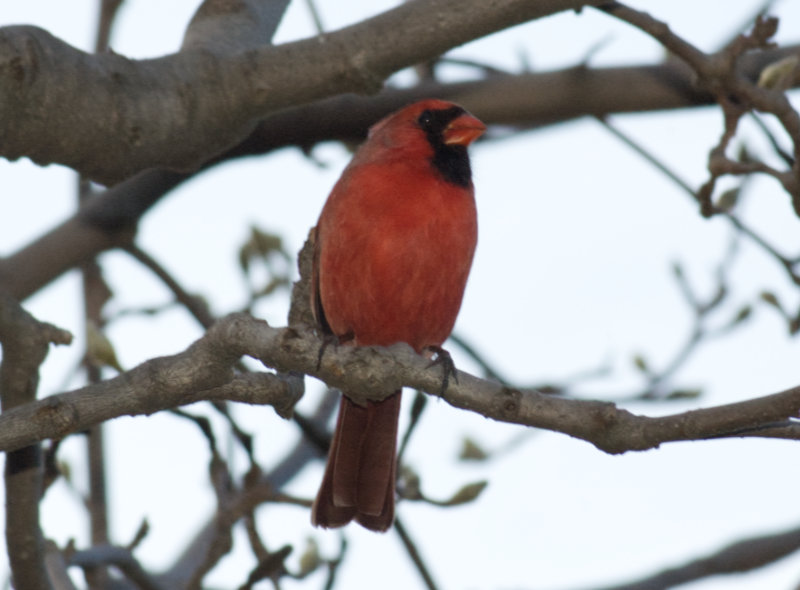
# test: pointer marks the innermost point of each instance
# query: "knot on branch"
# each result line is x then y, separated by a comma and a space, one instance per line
20, 55
62, 418
507, 404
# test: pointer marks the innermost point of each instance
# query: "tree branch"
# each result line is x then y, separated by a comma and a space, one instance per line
122, 559
204, 371
742, 556
226, 27
25, 343
209, 99
530, 100
246, 497
57, 568
736, 94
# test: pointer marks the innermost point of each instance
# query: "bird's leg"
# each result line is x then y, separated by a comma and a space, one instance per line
444, 359
328, 339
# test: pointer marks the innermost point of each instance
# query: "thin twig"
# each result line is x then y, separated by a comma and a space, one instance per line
122, 559
96, 293
414, 554
787, 264
735, 94
195, 305
489, 371
105, 23
417, 408
315, 16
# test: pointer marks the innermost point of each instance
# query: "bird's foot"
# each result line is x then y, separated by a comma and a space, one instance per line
329, 339
444, 359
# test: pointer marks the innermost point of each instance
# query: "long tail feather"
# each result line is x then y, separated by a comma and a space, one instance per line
359, 480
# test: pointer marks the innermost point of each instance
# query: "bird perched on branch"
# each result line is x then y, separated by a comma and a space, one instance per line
394, 246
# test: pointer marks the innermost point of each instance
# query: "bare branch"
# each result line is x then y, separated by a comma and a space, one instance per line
524, 101
25, 343
204, 372
95, 228
122, 559
211, 99
196, 306
226, 27
411, 548
251, 495
736, 94
105, 23
741, 556
57, 568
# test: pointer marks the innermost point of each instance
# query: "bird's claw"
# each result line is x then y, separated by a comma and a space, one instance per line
329, 339
444, 359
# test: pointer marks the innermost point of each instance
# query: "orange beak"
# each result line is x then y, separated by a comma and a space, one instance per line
463, 130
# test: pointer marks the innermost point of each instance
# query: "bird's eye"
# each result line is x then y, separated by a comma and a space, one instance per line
425, 119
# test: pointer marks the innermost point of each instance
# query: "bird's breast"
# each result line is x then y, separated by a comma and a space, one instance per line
396, 246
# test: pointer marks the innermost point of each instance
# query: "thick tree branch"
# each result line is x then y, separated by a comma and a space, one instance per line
204, 371
524, 101
178, 111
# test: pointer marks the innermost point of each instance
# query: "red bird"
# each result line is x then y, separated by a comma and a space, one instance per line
394, 246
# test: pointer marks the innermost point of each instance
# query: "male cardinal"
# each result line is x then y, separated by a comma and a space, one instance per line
394, 246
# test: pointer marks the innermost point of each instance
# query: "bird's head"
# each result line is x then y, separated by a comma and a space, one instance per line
440, 122
436, 130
